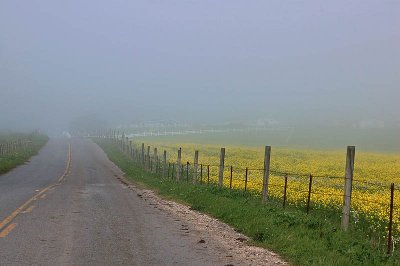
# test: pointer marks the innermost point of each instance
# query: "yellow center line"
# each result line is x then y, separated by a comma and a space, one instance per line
8, 229
14, 214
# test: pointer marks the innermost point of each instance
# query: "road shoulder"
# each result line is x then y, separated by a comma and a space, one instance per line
210, 233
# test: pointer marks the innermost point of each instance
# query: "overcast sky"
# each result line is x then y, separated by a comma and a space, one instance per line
198, 60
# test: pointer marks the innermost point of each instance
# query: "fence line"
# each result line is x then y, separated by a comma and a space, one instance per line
229, 176
13, 147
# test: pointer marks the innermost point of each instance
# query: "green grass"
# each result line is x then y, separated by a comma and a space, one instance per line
12, 160
301, 239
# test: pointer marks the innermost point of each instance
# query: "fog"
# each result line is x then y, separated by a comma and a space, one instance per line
295, 62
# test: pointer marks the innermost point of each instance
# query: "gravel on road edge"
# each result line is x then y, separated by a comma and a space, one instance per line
210, 232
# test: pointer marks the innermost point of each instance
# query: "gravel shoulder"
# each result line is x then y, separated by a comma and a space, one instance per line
208, 232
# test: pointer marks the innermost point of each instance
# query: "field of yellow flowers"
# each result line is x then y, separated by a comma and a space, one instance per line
373, 174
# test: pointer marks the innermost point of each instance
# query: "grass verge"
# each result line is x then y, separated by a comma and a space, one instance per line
20, 156
301, 239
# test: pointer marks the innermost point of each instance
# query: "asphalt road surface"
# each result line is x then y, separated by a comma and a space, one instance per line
67, 207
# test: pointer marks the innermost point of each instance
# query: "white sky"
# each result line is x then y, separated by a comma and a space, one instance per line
198, 60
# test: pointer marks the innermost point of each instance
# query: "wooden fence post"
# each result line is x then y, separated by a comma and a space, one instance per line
142, 155
221, 168
148, 158
208, 174
348, 185
201, 173
122, 141
195, 164
267, 160
230, 178
155, 160
179, 165
187, 171
245, 179
164, 163
285, 191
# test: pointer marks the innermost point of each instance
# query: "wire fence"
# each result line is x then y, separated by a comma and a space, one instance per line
377, 202
13, 147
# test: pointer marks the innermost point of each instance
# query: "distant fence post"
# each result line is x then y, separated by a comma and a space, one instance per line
164, 163
187, 171
201, 173
148, 158
285, 191
142, 155
179, 165
195, 163
123, 142
155, 160
231, 177
221, 168
351, 150
245, 179
267, 161
208, 174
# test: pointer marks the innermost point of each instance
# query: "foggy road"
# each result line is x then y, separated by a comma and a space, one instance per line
89, 217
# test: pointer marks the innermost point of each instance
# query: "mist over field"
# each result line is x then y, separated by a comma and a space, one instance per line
303, 64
